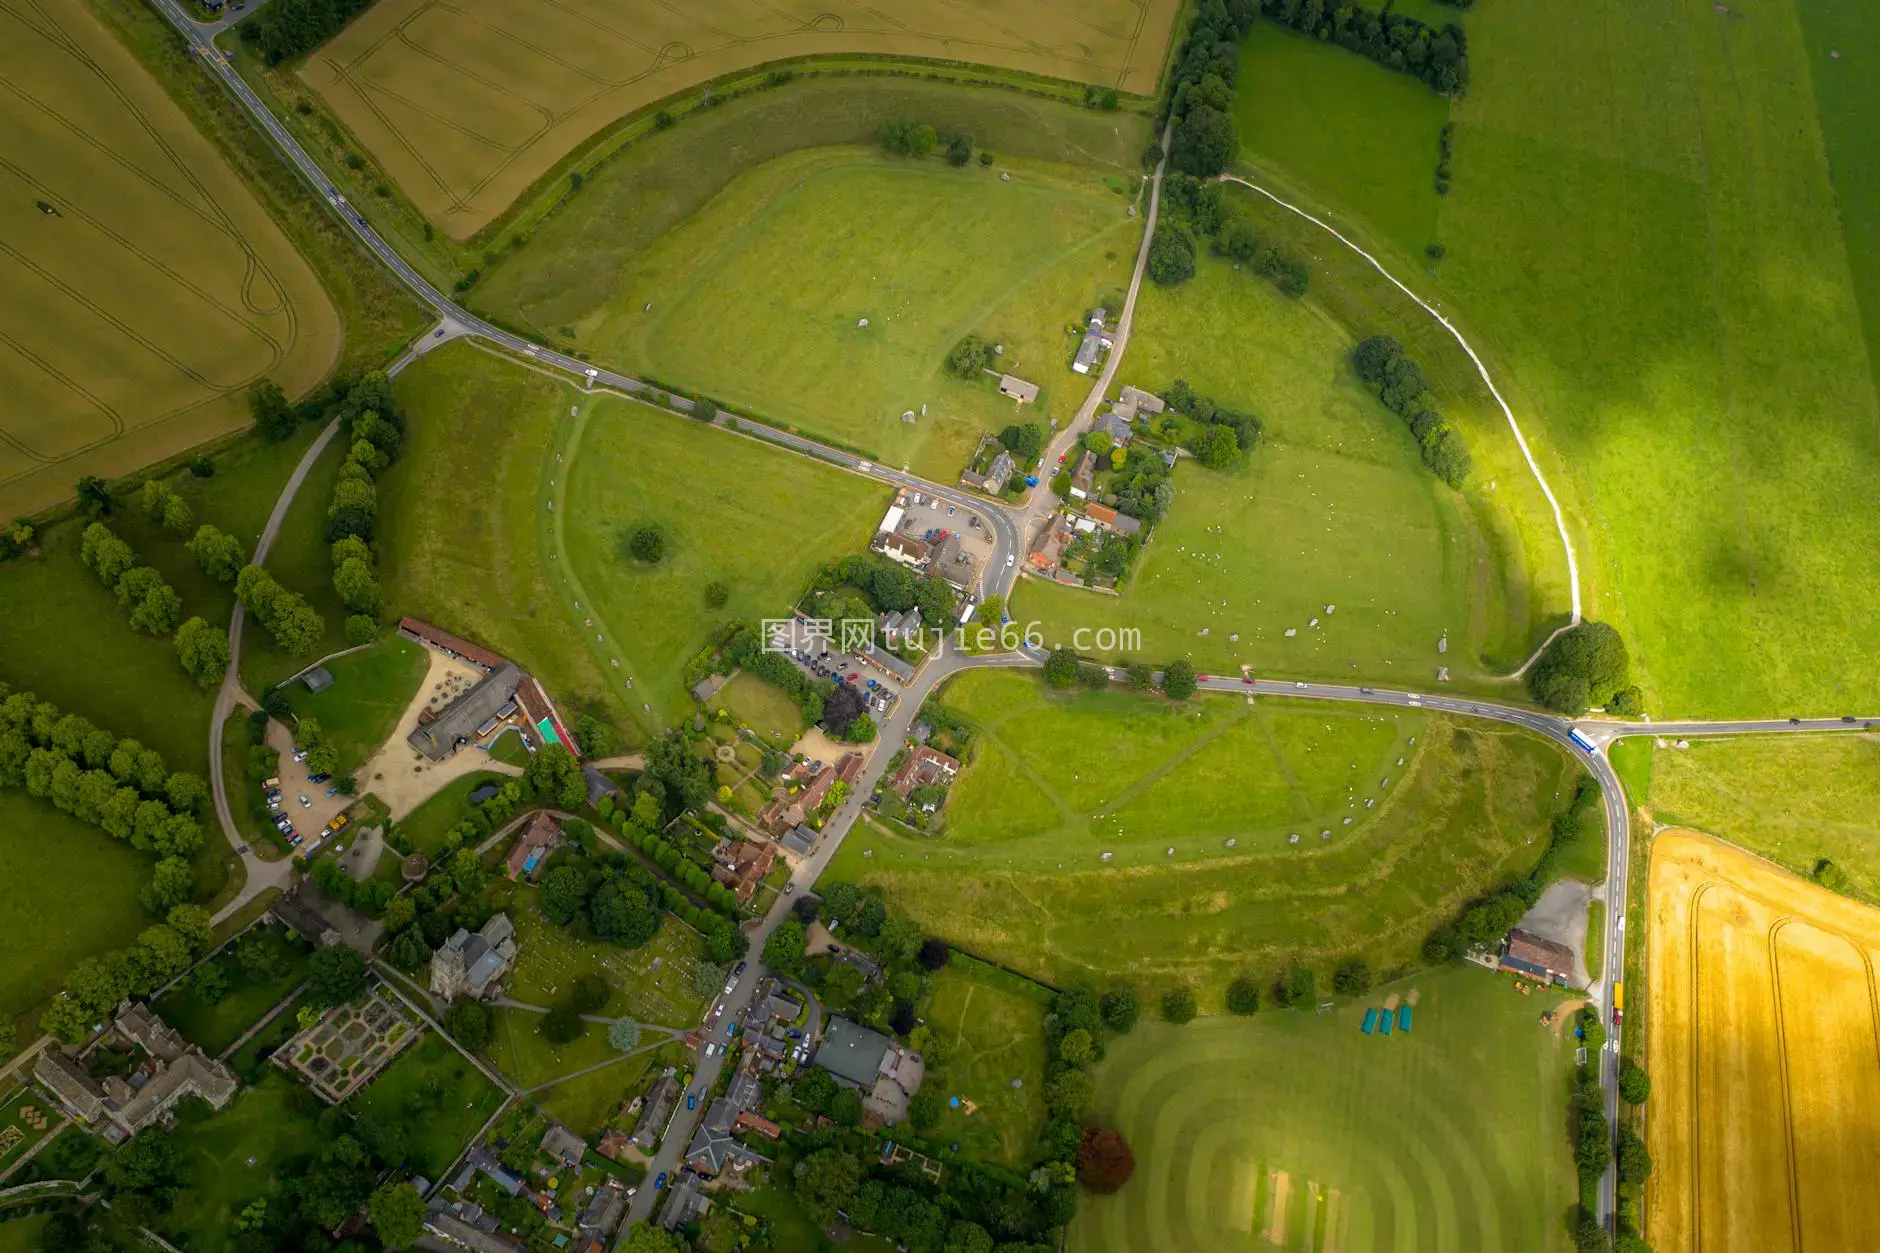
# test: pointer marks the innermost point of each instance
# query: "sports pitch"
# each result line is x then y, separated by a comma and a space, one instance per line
1297, 1131
1765, 1106
466, 104
1056, 782
146, 287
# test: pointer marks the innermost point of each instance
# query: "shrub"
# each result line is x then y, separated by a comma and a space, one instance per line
1435, 250
1178, 1005
1352, 978
971, 355
1104, 1162
1243, 996
716, 594
1172, 256
646, 542
1119, 1009
1635, 1086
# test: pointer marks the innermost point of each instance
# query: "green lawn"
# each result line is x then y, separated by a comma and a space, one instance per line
1792, 798
370, 690
1057, 781
213, 1028
482, 570
301, 560
763, 707
233, 1157
1690, 343
799, 253
588, 1104
508, 749
1294, 90
1595, 949
517, 1047
428, 824
993, 1024
21, 1235
733, 511
439, 1095
250, 1062
653, 984
69, 891
1333, 508
1448, 1140
573, 264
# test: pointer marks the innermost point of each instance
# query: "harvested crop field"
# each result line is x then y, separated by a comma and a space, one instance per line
1765, 1108
466, 104
146, 287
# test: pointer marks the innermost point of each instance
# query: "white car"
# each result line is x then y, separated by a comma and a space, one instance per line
730, 984
712, 1049
1011, 559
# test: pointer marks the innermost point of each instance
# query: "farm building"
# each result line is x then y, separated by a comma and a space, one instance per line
1018, 389
1540, 959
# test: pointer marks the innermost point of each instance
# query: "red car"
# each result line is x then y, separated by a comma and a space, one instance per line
1201, 678
1247, 679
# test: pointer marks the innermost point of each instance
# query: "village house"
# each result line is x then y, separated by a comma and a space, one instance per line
1121, 523
540, 836
953, 563
886, 1074
1119, 428
470, 963
1133, 402
742, 865
1095, 343
1537, 958
923, 767
993, 481
119, 1106
798, 840
564, 1146
715, 1147
1018, 389
1083, 475
905, 549
655, 1114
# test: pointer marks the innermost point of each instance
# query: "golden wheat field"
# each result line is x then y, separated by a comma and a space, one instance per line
467, 102
145, 287
1764, 1048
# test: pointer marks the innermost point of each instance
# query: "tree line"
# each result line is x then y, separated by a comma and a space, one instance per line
374, 429
1200, 106
97, 984
1439, 58
115, 784
1198, 208
1226, 434
1398, 381
905, 137
285, 29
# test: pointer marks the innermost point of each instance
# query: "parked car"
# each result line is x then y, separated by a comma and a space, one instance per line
660, 1182
711, 1049
740, 968
305, 801
300, 754
691, 1100
318, 778
730, 983
272, 785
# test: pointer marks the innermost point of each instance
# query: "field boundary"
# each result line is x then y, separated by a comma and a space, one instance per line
1520, 439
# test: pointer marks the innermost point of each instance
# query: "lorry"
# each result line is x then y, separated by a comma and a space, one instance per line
1618, 1003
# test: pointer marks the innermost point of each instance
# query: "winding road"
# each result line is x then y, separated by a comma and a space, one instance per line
997, 577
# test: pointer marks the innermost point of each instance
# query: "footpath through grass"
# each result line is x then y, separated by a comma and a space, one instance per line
1794, 799
1297, 1130
1055, 782
993, 1027
434, 1090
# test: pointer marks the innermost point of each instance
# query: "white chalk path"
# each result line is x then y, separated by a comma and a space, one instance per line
1560, 521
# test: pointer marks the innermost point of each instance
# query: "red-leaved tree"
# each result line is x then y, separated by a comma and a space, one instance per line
1104, 1162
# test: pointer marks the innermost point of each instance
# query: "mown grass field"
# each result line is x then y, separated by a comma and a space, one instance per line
1763, 1129
1332, 508
1791, 798
1057, 781
69, 891
439, 1095
763, 707
370, 690
428, 824
1691, 345
733, 511
993, 1024
146, 285
652, 984
466, 106
799, 253
1298, 1131
302, 561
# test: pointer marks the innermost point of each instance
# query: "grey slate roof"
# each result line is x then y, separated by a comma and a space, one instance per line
852, 1052
438, 738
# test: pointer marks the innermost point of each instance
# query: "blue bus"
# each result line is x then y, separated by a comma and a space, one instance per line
1575, 734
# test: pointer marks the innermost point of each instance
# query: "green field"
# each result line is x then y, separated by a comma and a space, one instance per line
797, 254
1332, 508
993, 1025
129, 240
1792, 798
1294, 90
428, 824
1690, 346
212, 1028
432, 1089
22, 1234
1057, 781
466, 106
233, 1157
69, 891
370, 690
1448, 1140
653, 984
302, 561
733, 511
763, 707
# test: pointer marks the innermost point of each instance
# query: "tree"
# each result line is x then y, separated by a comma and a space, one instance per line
841, 708
1584, 666
824, 1182
646, 542
1076, 1047
1172, 256
1216, 447
1178, 1005
1243, 996
907, 138
561, 1025
336, 975
469, 1022
361, 629
814, 1090
845, 1108
217, 552
203, 650
147, 1163
650, 1238
1104, 1162
934, 953
924, 1109
397, 1214
108, 557
841, 985
1352, 978
1635, 1086
1070, 1094
590, 993
554, 777
1178, 680
210, 981
358, 587
861, 730
1635, 1162
1119, 1009
1297, 987
1060, 668
274, 418
623, 1035
971, 355
1204, 142
173, 883
94, 496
